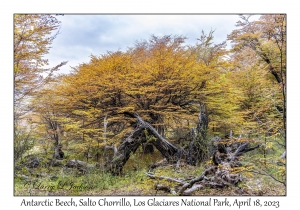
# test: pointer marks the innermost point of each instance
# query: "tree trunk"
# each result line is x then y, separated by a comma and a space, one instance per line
198, 149
58, 153
137, 137
170, 152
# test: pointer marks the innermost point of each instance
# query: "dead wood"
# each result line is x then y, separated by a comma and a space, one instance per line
167, 149
58, 153
81, 166
194, 188
225, 157
219, 175
152, 176
197, 179
33, 162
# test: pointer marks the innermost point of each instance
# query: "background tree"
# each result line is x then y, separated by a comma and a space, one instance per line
48, 117
267, 39
259, 65
33, 35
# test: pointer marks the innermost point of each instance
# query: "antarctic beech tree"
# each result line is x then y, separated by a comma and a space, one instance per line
266, 38
259, 66
33, 36
162, 79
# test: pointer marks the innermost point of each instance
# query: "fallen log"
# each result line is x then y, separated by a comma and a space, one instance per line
81, 166
219, 175
197, 179
194, 188
181, 182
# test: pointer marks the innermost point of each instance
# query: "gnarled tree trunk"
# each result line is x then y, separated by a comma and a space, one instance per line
136, 138
226, 151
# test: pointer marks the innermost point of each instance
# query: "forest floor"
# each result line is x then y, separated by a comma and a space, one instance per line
58, 181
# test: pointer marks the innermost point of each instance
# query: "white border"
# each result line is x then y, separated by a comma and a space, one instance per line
155, 6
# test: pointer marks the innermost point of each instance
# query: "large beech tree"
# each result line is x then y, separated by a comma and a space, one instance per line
162, 79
